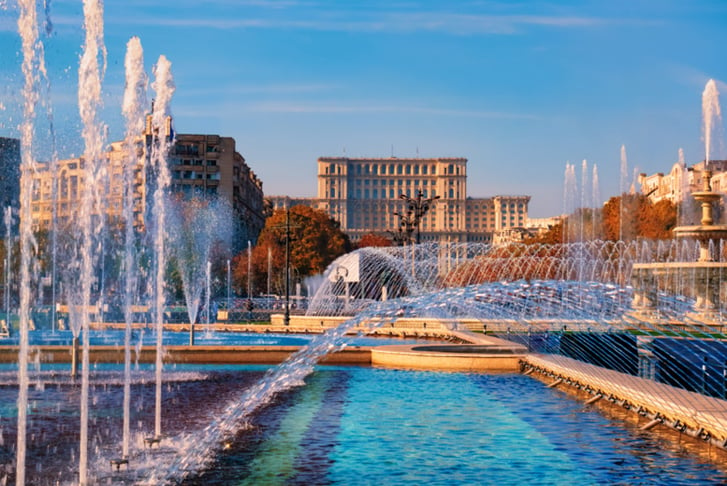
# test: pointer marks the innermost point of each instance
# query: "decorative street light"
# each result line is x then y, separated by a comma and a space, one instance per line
402, 235
417, 207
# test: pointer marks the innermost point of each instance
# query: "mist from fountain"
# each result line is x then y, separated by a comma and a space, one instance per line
596, 200
197, 226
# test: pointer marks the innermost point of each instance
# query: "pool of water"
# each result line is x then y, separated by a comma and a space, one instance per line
147, 337
360, 425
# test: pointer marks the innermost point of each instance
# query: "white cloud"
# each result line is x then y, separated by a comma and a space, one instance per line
451, 23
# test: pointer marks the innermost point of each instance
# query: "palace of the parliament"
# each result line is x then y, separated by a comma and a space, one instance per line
365, 196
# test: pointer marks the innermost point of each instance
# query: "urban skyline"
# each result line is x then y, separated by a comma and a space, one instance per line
520, 89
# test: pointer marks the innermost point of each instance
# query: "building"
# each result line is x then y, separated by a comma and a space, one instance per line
200, 165
364, 196
9, 177
209, 165
681, 181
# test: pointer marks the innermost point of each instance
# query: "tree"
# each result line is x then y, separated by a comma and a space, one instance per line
315, 241
632, 216
372, 239
552, 236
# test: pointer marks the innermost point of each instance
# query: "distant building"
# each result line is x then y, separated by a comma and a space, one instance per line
9, 177
363, 195
200, 165
681, 181
209, 165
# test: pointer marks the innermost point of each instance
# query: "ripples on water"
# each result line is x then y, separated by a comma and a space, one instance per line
371, 426
361, 426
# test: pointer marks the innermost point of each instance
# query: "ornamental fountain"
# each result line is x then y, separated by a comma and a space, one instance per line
702, 279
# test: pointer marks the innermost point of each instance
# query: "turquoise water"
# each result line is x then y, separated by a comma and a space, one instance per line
355, 425
375, 426
147, 337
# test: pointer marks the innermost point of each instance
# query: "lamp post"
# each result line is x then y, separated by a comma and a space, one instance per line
286, 319
229, 307
417, 207
402, 235
8, 219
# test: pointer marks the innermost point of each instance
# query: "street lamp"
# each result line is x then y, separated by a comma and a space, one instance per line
402, 235
417, 207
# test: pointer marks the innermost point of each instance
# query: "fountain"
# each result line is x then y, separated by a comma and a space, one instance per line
541, 305
197, 226
705, 275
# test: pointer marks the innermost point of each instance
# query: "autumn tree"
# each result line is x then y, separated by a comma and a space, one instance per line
315, 241
551, 236
373, 239
632, 216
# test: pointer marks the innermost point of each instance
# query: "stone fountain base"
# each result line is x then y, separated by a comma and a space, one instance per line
702, 281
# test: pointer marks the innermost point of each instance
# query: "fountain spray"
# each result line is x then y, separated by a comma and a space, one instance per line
90, 73
162, 140
133, 109
712, 115
28, 28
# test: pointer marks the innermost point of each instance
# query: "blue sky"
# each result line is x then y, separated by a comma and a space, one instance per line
520, 88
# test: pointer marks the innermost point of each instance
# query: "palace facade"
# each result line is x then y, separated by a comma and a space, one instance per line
365, 196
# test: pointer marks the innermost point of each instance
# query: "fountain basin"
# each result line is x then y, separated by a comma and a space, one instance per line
187, 354
451, 357
702, 232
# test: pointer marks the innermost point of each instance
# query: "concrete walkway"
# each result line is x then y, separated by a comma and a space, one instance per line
693, 413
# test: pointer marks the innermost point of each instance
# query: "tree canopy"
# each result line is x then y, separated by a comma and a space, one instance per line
315, 241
